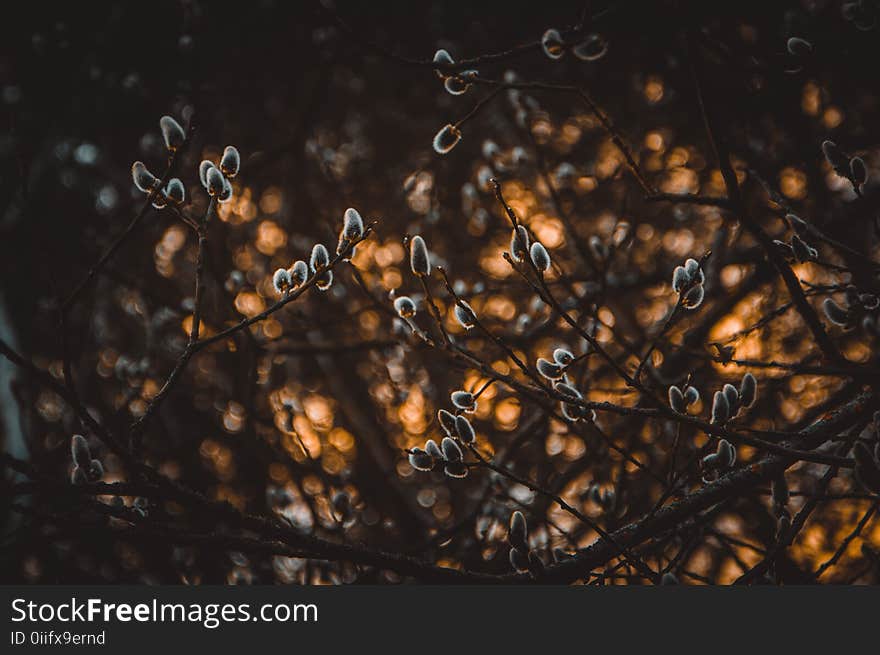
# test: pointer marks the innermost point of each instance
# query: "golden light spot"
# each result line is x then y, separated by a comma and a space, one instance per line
270, 201
793, 183
270, 238
249, 303
654, 141
653, 89
811, 99
832, 117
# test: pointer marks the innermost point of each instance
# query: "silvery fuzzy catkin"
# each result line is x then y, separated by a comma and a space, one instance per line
419, 260
204, 167
517, 534
447, 422
519, 244
143, 179
175, 190
732, 396
592, 48
172, 133
552, 44
230, 161
405, 307
433, 449
352, 224
676, 400
550, 370
465, 430
216, 183
79, 451
464, 314
451, 450
420, 460
565, 389
299, 273
835, 313
446, 139
540, 256
464, 400
726, 454
281, 280
694, 298
319, 257
563, 357
720, 408
748, 390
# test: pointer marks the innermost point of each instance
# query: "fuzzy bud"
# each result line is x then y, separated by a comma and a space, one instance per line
172, 133
143, 179
352, 224
517, 534
693, 298
455, 469
464, 400
230, 161
299, 273
726, 454
835, 313
565, 389
835, 157
419, 260
464, 314
720, 408
204, 167
858, 171
319, 258
676, 400
175, 191
447, 422
216, 181
79, 451
563, 357
465, 430
446, 139
433, 449
552, 44
281, 280
748, 390
519, 244
592, 48
451, 450
420, 460
549, 370
540, 256
405, 307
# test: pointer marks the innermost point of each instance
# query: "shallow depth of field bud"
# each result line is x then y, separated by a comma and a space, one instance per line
559, 293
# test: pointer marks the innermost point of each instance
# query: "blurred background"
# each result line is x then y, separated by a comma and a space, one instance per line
308, 416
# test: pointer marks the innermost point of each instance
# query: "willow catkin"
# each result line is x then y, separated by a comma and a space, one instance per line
172, 133
143, 179
447, 422
230, 161
216, 182
464, 400
419, 260
465, 430
517, 533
